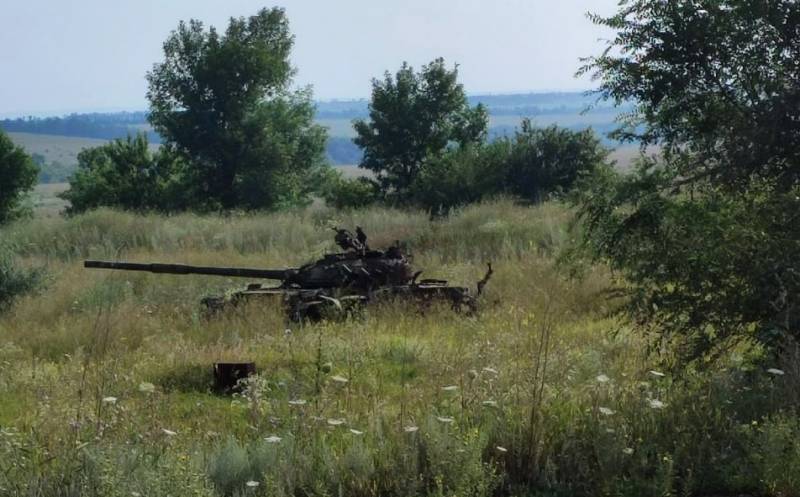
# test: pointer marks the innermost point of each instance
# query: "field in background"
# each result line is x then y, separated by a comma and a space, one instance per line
45, 199
602, 120
64, 149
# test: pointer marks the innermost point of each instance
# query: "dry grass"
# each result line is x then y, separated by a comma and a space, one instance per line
508, 402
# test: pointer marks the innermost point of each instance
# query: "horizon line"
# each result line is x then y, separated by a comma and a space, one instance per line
120, 109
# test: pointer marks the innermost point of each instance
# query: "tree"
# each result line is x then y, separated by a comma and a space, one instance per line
714, 80
223, 102
17, 177
708, 235
414, 117
551, 159
125, 174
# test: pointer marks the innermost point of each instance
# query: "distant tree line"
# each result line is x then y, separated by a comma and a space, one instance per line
105, 126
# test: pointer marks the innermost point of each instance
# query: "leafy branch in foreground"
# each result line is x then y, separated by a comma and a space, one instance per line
707, 235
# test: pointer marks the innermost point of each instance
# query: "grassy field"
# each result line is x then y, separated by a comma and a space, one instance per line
45, 199
64, 149
105, 376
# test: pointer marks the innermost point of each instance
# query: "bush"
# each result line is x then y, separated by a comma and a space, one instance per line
349, 193
127, 175
550, 160
702, 269
462, 176
15, 282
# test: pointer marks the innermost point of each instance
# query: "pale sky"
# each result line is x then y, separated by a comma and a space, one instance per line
62, 56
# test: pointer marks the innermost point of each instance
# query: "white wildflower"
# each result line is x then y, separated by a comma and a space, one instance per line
606, 411
297, 402
335, 421
339, 379
444, 419
273, 439
657, 373
169, 433
627, 451
601, 378
775, 371
109, 400
656, 404
147, 387
252, 484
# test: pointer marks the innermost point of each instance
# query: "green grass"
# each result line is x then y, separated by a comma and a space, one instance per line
542, 393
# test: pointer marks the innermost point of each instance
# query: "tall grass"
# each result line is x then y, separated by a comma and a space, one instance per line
105, 377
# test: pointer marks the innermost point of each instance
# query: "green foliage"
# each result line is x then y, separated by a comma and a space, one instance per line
415, 116
223, 102
550, 160
705, 268
536, 163
775, 450
716, 80
707, 235
17, 177
349, 193
462, 176
15, 282
125, 174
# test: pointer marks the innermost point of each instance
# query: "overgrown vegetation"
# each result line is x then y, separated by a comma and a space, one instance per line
547, 391
707, 235
540, 394
125, 174
15, 281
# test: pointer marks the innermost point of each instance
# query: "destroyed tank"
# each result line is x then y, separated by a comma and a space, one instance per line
335, 285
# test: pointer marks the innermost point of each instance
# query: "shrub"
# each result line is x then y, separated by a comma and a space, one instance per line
550, 160
15, 282
462, 176
702, 269
127, 175
349, 193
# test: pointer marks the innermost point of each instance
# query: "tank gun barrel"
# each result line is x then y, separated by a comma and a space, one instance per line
235, 272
